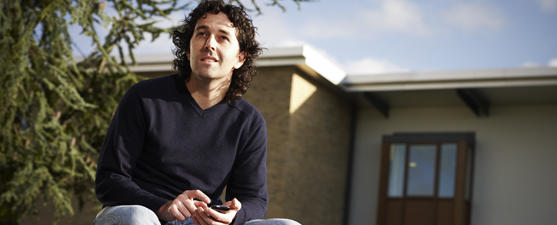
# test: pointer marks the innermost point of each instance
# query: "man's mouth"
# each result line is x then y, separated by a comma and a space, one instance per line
209, 59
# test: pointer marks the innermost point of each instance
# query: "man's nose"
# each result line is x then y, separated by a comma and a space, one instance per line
211, 42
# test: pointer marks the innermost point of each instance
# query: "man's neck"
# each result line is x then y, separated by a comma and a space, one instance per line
207, 93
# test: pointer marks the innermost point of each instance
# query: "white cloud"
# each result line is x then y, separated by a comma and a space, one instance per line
324, 29
474, 16
397, 15
530, 64
272, 31
371, 66
547, 5
400, 16
552, 62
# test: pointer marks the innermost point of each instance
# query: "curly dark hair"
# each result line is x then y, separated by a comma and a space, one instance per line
242, 76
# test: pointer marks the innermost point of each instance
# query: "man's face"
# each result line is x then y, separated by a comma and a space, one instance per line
214, 49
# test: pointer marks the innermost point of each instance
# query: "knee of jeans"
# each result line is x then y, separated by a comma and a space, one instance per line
127, 215
287, 222
275, 221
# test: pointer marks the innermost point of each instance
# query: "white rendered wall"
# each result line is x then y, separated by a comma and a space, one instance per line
515, 162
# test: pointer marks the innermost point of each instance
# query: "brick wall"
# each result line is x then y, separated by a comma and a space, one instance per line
308, 146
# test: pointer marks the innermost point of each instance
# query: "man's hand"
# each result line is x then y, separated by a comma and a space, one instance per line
207, 216
183, 206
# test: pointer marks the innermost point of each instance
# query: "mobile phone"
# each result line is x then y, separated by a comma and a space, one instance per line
219, 207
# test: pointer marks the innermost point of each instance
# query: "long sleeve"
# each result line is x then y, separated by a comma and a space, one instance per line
248, 177
122, 147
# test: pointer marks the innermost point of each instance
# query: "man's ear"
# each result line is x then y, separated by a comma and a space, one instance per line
241, 60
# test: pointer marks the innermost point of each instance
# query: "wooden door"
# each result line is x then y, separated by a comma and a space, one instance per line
425, 182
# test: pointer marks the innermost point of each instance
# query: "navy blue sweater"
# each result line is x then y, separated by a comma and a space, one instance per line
161, 143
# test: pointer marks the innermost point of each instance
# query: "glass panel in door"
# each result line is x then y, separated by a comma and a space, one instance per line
396, 170
421, 170
447, 171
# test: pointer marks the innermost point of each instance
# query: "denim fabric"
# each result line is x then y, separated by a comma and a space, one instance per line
272, 222
140, 215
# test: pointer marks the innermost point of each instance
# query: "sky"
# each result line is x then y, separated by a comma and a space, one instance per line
381, 36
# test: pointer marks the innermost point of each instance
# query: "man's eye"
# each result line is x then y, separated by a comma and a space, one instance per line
224, 38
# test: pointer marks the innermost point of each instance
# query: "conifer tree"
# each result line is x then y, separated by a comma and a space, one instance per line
54, 111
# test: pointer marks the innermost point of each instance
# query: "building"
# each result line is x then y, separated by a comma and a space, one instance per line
327, 131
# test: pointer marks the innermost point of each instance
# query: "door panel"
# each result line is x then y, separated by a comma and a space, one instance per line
419, 212
445, 211
394, 212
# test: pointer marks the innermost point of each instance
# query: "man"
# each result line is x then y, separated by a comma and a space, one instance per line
177, 141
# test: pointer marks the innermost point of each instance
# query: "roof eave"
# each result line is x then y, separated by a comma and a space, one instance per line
490, 78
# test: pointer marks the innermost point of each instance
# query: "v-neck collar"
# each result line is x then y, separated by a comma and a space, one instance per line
182, 87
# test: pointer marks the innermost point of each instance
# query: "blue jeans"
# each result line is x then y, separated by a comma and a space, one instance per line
140, 215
